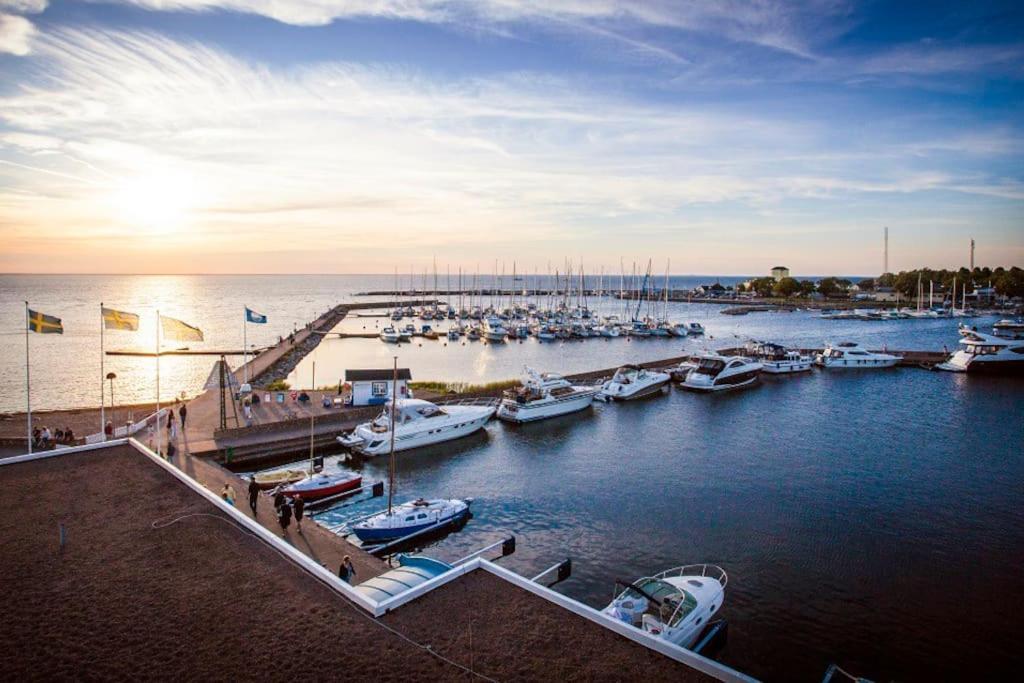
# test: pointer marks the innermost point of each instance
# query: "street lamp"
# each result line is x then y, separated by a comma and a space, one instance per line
111, 376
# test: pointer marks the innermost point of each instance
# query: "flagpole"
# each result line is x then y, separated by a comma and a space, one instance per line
158, 381
28, 383
103, 394
245, 343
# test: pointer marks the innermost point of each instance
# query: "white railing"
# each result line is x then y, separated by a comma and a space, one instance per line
712, 571
125, 431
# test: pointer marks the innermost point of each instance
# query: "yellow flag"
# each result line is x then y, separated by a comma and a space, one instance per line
179, 331
119, 320
44, 324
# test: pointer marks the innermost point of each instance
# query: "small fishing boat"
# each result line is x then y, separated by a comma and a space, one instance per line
674, 605
543, 395
632, 382
275, 478
720, 373
323, 484
408, 518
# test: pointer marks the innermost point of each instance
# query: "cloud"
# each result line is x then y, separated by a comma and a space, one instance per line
23, 6
16, 34
177, 145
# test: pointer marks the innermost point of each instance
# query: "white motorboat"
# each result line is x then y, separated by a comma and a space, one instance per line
419, 423
695, 329
986, 353
679, 330
685, 367
850, 355
632, 382
1009, 329
720, 373
543, 395
454, 333
408, 518
674, 605
777, 359
494, 330
389, 335
607, 330
407, 332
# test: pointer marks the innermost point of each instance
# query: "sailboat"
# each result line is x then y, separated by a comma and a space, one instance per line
399, 521
322, 484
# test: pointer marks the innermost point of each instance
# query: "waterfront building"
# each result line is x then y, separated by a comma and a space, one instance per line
373, 387
780, 272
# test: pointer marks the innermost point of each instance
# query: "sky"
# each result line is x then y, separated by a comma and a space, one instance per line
360, 136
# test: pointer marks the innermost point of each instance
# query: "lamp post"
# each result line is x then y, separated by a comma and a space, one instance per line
111, 376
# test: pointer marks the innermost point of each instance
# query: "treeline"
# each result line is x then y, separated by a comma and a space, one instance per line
1006, 282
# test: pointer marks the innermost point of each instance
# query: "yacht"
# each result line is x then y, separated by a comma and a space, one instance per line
986, 353
408, 518
494, 330
631, 382
674, 605
719, 373
684, 368
543, 395
1009, 329
389, 335
419, 423
850, 355
777, 359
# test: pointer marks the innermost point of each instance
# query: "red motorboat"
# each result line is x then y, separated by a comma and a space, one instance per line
323, 484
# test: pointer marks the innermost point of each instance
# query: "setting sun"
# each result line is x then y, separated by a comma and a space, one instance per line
155, 203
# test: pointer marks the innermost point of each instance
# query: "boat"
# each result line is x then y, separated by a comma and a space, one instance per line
454, 333
674, 605
323, 484
684, 368
986, 353
632, 382
715, 372
407, 332
408, 518
275, 478
473, 334
419, 423
679, 330
494, 330
389, 335
543, 395
1009, 329
694, 329
607, 330
777, 359
850, 355
428, 332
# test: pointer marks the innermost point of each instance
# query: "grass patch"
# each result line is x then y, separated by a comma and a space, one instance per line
463, 387
278, 385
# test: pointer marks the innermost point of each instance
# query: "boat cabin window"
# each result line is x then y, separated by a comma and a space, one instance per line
710, 366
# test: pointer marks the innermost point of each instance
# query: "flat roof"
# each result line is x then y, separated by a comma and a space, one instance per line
376, 375
154, 580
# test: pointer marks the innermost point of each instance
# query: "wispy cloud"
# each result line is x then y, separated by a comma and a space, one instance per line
184, 148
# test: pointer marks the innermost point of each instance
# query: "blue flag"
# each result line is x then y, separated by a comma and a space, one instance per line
254, 317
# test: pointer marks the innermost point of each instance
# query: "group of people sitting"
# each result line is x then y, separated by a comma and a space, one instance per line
43, 438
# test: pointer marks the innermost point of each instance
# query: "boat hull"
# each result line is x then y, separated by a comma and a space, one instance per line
383, 535
425, 435
328, 489
785, 367
510, 411
737, 381
649, 390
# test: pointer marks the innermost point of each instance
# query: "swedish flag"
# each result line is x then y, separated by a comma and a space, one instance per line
120, 320
44, 324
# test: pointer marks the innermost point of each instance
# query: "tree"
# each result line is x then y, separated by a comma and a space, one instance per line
828, 286
1010, 282
887, 280
867, 284
763, 286
786, 287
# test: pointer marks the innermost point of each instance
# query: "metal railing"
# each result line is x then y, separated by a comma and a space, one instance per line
712, 571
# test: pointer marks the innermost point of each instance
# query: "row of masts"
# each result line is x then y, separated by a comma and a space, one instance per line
565, 289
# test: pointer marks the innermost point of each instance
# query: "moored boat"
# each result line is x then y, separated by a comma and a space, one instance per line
986, 353
543, 395
632, 382
323, 484
715, 372
850, 355
409, 518
674, 605
275, 478
777, 359
419, 423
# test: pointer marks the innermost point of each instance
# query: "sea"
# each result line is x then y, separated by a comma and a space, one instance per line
873, 519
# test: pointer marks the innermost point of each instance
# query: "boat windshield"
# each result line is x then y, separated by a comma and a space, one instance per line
710, 366
676, 603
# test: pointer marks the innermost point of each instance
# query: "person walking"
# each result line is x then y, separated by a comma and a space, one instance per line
170, 424
284, 518
182, 413
346, 572
278, 501
228, 494
254, 495
300, 508
108, 430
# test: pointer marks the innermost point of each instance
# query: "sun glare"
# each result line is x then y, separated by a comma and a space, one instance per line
155, 203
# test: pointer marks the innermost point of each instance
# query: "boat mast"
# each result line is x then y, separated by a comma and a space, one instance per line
391, 459
312, 418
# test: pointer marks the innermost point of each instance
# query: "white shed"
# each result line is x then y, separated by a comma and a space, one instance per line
373, 387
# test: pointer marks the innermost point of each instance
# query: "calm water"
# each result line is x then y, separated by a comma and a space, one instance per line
874, 519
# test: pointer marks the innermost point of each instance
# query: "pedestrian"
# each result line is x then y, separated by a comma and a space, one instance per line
284, 518
59, 435
69, 435
300, 507
346, 572
278, 501
182, 413
37, 437
108, 430
172, 450
254, 495
170, 424
46, 437
228, 494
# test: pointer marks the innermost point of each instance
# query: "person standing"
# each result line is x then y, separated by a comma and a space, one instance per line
228, 494
254, 495
182, 413
108, 430
284, 518
346, 572
170, 424
278, 501
300, 508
